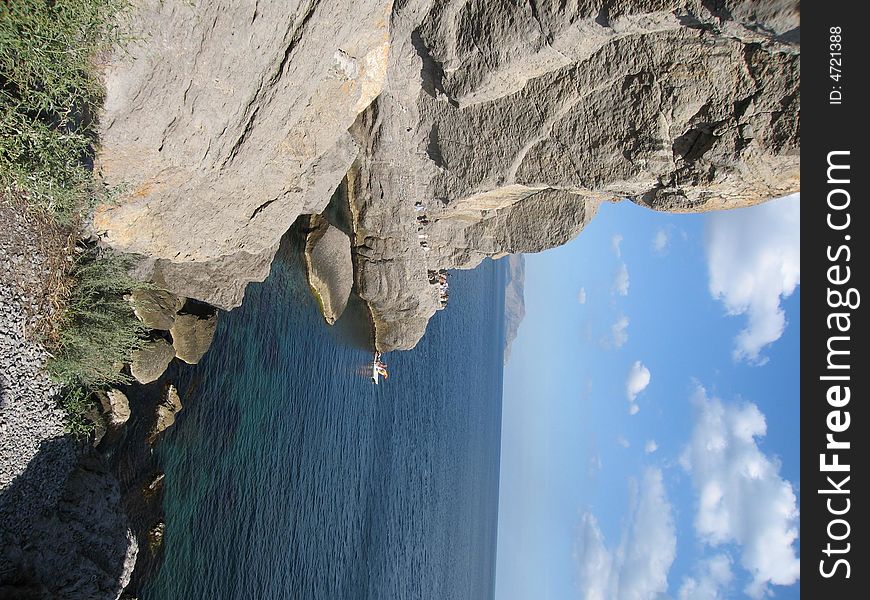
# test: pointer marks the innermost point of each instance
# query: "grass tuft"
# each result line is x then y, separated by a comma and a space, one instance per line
99, 331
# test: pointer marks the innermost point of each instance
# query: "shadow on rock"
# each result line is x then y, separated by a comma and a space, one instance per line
78, 547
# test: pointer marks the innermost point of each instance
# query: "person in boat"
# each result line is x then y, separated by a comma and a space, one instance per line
382, 371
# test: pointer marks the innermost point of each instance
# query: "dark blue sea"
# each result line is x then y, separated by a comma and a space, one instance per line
290, 475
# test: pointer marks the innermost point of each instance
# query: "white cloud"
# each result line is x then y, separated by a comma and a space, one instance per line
619, 331
651, 446
660, 241
615, 242
638, 568
622, 441
637, 380
620, 280
594, 465
581, 296
711, 582
742, 498
753, 258
633, 408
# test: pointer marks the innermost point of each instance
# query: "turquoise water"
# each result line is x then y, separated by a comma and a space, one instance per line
289, 475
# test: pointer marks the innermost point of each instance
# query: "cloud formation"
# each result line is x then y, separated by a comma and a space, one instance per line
638, 568
581, 296
615, 242
622, 441
620, 280
742, 498
636, 382
711, 582
619, 332
651, 446
660, 241
753, 259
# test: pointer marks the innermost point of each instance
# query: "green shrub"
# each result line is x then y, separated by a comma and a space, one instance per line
99, 330
78, 403
49, 91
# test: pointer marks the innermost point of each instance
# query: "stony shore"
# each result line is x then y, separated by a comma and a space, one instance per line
29, 416
62, 531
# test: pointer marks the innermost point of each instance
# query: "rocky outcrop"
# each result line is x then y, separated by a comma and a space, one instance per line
115, 406
526, 119
227, 120
150, 361
509, 124
166, 411
192, 336
514, 301
330, 268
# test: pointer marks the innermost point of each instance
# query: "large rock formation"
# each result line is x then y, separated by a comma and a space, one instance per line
226, 120
330, 267
508, 122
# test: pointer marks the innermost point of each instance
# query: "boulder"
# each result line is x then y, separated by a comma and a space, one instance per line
192, 335
329, 267
150, 361
115, 405
168, 407
156, 308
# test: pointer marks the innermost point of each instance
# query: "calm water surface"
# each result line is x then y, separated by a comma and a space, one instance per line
289, 475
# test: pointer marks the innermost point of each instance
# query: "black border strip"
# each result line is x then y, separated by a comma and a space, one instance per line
834, 222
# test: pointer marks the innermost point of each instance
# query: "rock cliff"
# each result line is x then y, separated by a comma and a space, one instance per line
454, 129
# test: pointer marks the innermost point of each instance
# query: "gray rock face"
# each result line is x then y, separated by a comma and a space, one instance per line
191, 336
149, 362
330, 268
225, 121
509, 124
526, 120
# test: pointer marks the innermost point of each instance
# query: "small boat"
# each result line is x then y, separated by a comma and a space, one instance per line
379, 369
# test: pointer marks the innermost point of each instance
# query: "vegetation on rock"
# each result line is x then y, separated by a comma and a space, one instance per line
50, 93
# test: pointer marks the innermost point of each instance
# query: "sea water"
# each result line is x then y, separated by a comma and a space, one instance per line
290, 475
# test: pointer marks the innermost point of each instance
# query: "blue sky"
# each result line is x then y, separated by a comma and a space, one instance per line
650, 436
